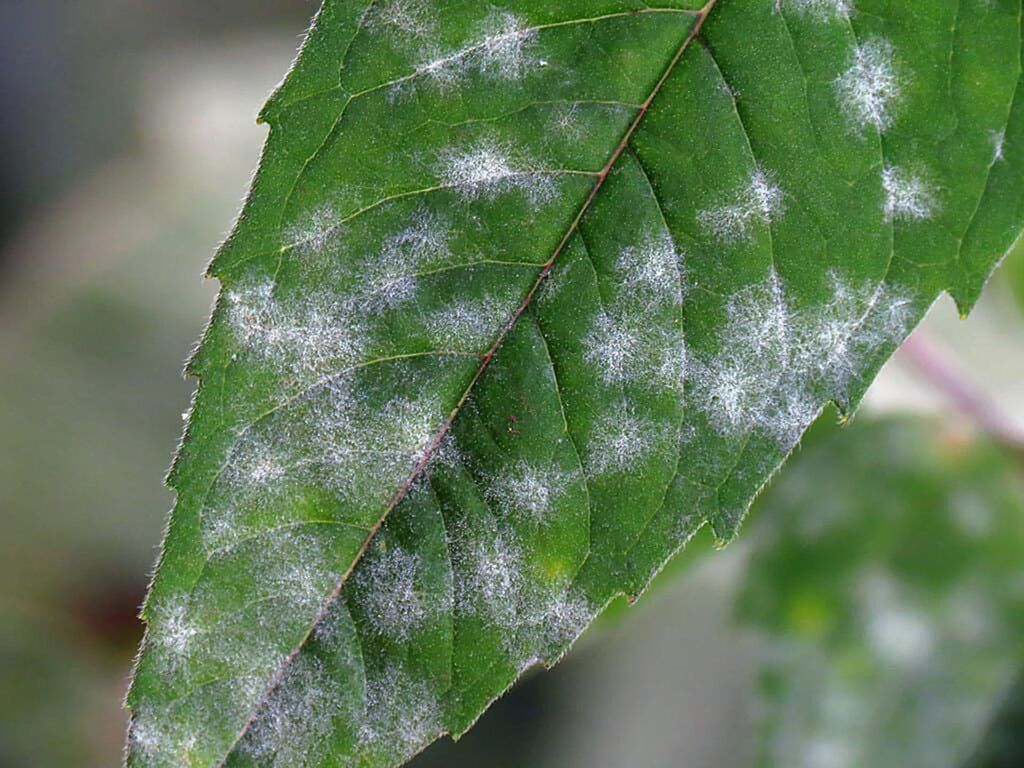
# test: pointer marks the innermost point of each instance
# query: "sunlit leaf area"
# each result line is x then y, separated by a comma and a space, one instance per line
376, 542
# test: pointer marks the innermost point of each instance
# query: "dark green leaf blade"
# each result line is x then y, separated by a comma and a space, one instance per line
409, 473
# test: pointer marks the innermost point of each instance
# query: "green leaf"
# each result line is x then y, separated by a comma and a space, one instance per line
520, 299
885, 578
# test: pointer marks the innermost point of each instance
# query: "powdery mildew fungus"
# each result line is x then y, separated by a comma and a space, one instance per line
470, 325
325, 331
822, 10
652, 272
329, 441
491, 572
568, 122
625, 347
173, 631
162, 743
307, 336
525, 489
387, 587
489, 168
537, 620
998, 139
760, 201
777, 365
868, 91
402, 713
621, 440
634, 340
502, 51
299, 716
316, 234
908, 197
553, 283
388, 276
403, 19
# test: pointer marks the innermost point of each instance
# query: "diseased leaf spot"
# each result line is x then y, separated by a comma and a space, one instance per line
301, 337
496, 581
821, 10
868, 91
502, 50
174, 631
528, 490
777, 365
490, 168
299, 716
470, 325
626, 348
622, 440
404, 19
908, 197
652, 272
998, 139
386, 584
402, 713
760, 201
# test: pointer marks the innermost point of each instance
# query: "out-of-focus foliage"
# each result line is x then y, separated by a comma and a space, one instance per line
887, 577
1003, 743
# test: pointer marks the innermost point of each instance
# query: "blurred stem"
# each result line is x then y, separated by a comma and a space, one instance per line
930, 362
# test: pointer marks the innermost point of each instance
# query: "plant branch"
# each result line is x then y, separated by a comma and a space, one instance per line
931, 363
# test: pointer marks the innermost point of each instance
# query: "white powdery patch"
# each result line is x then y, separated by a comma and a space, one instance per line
257, 463
298, 717
388, 590
776, 366
254, 480
760, 201
470, 325
538, 620
173, 631
561, 619
389, 276
403, 19
526, 489
303, 337
502, 51
402, 713
489, 168
998, 140
652, 272
870, 88
621, 440
567, 121
304, 583
153, 737
908, 197
361, 452
627, 347
331, 440
318, 232
634, 341
493, 573
821, 10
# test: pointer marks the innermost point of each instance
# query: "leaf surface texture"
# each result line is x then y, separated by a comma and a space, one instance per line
521, 298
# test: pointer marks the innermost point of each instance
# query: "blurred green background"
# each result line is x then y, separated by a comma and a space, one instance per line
871, 614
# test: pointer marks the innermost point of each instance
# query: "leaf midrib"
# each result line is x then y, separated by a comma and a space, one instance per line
700, 16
